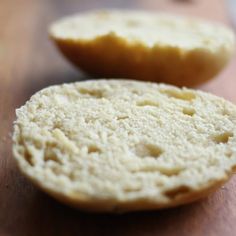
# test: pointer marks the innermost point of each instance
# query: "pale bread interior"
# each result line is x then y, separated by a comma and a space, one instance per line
148, 28
125, 141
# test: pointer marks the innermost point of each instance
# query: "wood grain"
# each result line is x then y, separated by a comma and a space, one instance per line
29, 62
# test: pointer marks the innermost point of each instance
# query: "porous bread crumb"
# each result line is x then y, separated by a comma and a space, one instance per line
144, 45
125, 145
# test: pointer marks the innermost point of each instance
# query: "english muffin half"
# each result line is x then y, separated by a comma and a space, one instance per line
144, 45
117, 145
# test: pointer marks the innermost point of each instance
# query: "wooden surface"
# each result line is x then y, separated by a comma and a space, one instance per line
29, 62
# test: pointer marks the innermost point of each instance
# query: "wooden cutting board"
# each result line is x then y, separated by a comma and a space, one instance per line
28, 63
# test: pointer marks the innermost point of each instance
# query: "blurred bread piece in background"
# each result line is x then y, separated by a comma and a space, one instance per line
144, 45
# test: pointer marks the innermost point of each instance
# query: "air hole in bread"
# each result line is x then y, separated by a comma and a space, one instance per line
57, 171
87, 120
147, 103
229, 154
91, 93
159, 183
122, 117
178, 94
38, 145
188, 111
148, 150
135, 92
51, 156
234, 168
56, 125
173, 171
170, 171
222, 138
132, 23
225, 112
20, 141
131, 189
29, 158
174, 193
93, 149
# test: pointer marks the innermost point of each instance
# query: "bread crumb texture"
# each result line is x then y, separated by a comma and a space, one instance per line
144, 45
111, 145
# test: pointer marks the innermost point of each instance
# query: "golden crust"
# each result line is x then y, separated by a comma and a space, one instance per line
160, 48
110, 56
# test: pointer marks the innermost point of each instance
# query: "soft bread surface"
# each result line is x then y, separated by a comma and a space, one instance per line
144, 45
117, 145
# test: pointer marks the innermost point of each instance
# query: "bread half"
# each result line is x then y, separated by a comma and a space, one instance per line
144, 46
117, 145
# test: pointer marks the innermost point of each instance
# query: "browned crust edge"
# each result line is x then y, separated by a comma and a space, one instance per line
111, 56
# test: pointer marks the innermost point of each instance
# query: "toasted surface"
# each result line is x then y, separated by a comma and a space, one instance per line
144, 45
117, 145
